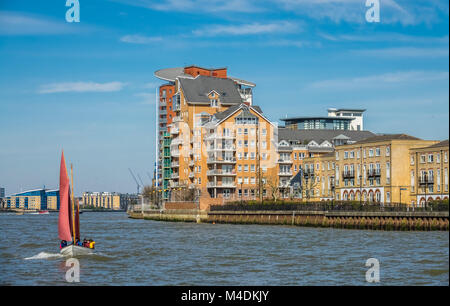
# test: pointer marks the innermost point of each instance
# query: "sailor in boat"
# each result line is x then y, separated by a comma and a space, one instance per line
63, 244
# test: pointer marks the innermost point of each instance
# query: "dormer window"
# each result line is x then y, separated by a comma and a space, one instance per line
214, 103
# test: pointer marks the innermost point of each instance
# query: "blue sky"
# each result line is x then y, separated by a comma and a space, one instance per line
89, 88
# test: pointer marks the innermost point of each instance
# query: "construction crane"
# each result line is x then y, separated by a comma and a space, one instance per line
140, 180
150, 178
137, 183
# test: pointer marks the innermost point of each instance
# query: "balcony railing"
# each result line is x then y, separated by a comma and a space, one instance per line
285, 161
348, 174
175, 164
220, 172
217, 136
177, 119
175, 153
177, 141
424, 181
285, 173
191, 163
373, 173
191, 174
221, 160
221, 185
175, 175
225, 148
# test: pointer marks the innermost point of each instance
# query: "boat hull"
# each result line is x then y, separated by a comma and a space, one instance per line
74, 250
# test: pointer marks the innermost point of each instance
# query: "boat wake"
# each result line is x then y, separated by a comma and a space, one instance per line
45, 255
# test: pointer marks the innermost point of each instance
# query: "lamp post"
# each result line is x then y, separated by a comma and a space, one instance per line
242, 191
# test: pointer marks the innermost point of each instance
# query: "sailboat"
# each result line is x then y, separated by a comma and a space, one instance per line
68, 219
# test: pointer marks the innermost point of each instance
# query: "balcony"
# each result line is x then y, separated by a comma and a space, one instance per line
216, 136
348, 174
174, 131
373, 173
425, 181
191, 175
219, 160
285, 161
284, 185
191, 163
219, 172
163, 112
175, 153
176, 141
285, 173
175, 164
175, 176
177, 119
221, 185
226, 148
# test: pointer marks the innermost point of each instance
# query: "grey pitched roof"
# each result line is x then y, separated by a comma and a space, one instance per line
439, 144
222, 115
320, 135
197, 90
388, 137
227, 112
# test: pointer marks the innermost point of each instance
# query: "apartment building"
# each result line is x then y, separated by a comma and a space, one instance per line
37, 199
108, 200
375, 169
429, 173
197, 86
337, 119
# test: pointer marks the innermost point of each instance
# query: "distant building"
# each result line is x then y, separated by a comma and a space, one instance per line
37, 199
337, 119
2, 192
108, 200
429, 173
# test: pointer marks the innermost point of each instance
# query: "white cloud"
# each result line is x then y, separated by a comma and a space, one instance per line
80, 87
198, 6
140, 39
248, 29
394, 78
406, 52
18, 23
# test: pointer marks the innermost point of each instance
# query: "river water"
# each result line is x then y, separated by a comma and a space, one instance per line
138, 252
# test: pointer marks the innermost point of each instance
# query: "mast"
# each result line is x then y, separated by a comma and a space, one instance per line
73, 205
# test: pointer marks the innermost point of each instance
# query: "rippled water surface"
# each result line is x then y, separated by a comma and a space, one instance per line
137, 252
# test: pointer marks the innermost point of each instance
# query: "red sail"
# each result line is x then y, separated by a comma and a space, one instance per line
64, 219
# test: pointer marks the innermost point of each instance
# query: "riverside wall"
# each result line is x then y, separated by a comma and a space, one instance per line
401, 221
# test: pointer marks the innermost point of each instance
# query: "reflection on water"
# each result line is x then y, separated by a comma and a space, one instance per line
137, 252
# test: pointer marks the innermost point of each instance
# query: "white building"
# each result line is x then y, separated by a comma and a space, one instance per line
356, 115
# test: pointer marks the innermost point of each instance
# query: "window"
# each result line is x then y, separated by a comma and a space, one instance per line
412, 159
252, 155
252, 168
337, 155
246, 168
295, 156
264, 132
345, 155
377, 152
388, 151
370, 152
430, 158
264, 144
214, 103
438, 158
239, 168
352, 154
422, 159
